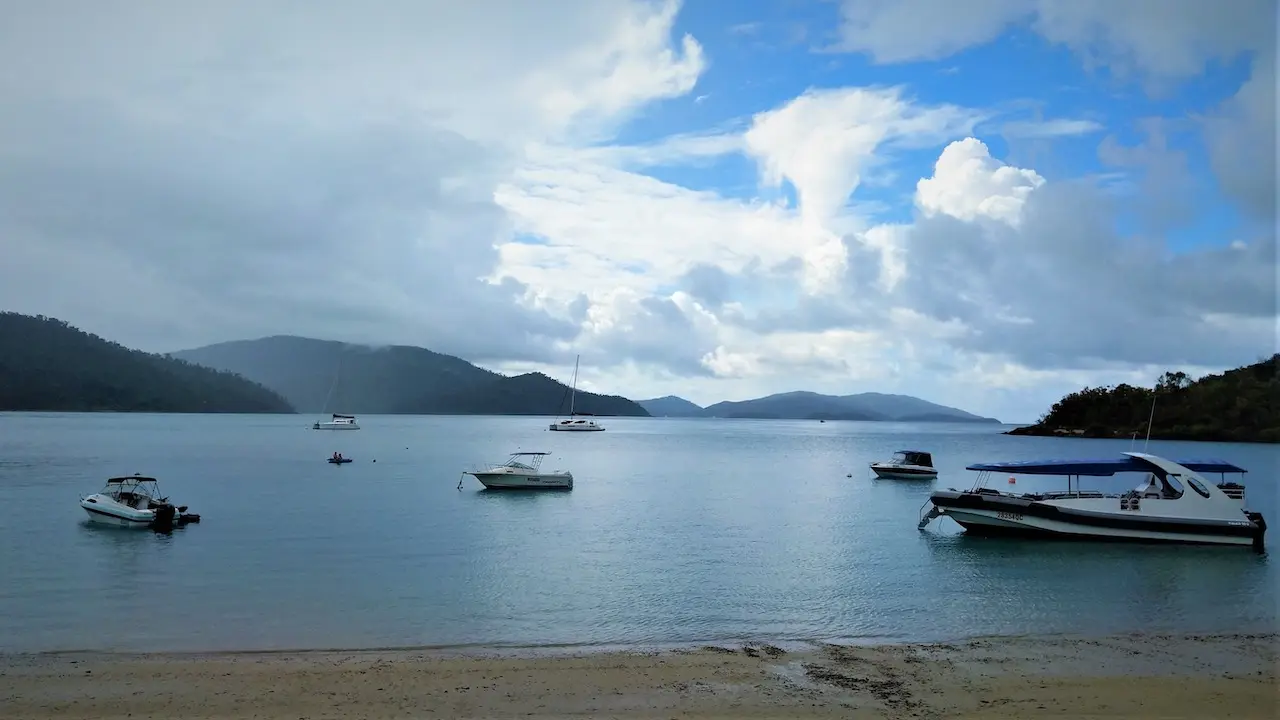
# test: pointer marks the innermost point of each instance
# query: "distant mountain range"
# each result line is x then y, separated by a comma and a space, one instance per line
46, 364
320, 376
812, 406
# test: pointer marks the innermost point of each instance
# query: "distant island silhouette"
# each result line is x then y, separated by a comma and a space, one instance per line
802, 405
1240, 405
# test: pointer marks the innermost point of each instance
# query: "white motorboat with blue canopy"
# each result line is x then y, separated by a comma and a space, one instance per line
522, 471
1172, 503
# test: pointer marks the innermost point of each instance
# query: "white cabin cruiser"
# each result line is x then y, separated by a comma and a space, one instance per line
135, 501
522, 471
907, 465
1173, 503
338, 422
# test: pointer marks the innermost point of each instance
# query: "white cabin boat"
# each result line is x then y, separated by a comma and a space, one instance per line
906, 465
338, 422
1173, 503
522, 471
575, 423
134, 501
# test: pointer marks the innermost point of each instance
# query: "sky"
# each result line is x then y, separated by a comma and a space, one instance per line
986, 204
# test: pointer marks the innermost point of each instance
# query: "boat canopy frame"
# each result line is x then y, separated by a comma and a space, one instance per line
1076, 469
534, 463
135, 484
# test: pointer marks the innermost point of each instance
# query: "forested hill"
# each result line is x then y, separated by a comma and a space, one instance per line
46, 364
331, 376
1241, 405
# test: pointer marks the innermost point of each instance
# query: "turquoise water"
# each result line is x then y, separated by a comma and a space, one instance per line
678, 531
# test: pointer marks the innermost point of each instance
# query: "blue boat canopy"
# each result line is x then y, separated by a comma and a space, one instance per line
1099, 468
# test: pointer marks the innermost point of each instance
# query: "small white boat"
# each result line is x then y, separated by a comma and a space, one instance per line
906, 465
522, 471
338, 422
1173, 503
574, 423
135, 501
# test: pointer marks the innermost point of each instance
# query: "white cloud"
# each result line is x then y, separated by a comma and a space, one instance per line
1061, 127
1241, 136
968, 183
824, 140
329, 172
1162, 38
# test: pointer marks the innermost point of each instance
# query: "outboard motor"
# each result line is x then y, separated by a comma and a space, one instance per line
1259, 535
165, 514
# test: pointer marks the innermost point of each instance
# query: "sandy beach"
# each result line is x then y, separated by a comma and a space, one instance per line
1194, 677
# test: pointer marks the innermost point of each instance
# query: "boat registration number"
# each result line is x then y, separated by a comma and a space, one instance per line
1009, 516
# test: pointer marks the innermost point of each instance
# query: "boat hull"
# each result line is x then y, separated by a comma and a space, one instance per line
102, 510
903, 472
511, 481
576, 428
335, 426
1002, 516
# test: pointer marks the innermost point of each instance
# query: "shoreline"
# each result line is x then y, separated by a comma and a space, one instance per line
1134, 675
1083, 434
542, 650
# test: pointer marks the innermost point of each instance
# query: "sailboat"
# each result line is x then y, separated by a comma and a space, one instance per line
336, 421
574, 423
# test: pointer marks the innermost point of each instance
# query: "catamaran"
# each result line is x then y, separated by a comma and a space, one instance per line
574, 423
1173, 503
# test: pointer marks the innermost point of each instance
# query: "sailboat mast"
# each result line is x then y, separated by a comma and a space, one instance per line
573, 394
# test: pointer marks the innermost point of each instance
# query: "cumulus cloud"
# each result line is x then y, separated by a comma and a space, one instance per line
1063, 289
605, 228
968, 183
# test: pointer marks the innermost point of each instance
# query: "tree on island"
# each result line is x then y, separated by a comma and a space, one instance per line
1238, 405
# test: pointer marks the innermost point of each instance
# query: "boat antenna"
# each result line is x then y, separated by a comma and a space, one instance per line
1152, 417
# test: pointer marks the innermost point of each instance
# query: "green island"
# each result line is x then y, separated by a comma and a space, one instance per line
1239, 405
48, 365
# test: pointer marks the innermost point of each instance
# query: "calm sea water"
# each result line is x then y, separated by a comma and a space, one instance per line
678, 531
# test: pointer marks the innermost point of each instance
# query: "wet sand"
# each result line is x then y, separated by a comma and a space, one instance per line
1194, 677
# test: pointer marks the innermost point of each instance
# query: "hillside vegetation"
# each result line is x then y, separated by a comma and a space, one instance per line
1241, 405
46, 364
320, 376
